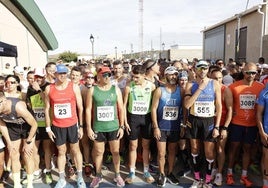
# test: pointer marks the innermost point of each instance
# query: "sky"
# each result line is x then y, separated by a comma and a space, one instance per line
115, 23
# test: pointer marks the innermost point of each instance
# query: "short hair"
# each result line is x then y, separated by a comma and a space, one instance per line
117, 62
138, 69
77, 69
30, 72
13, 76
261, 60
49, 64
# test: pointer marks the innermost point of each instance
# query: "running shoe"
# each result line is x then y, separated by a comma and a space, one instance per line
161, 180
48, 178
119, 181
130, 178
148, 177
172, 179
96, 182
245, 181
230, 179
197, 184
218, 179
81, 183
61, 183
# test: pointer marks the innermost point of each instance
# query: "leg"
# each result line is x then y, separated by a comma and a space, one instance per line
114, 148
133, 144
161, 146
172, 150
209, 153
98, 150
146, 151
15, 162
195, 147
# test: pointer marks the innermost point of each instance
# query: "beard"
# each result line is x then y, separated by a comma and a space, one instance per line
172, 81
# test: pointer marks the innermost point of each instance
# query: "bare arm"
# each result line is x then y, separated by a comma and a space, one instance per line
121, 112
79, 103
47, 107
89, 105
218, 105
228, 101
155, 103
263, 135
125, 103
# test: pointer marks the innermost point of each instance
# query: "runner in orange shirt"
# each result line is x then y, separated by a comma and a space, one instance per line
243, 125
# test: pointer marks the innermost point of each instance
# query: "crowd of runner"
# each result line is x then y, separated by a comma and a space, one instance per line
210, 115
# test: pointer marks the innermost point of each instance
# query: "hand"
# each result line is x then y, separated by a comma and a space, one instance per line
80, 133
127, 128
215, 133
264, 139
91, 134
157, 133
28, 148
36, 86
182, 132
120, 133
223, 134
51, 135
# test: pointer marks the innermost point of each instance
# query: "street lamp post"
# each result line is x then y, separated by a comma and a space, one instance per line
92, 44
115, 52
163, 49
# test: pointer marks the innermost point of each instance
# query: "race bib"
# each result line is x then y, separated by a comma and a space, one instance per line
204, 108
247, 101
105, 113
62, 111
39, 113
170, 112
140, 107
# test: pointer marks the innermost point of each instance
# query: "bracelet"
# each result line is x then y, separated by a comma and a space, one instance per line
81, 126
183, 125
122, 127
155, 127
217, 128
48, 129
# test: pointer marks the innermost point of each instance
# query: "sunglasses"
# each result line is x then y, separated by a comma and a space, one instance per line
11, 82
201, 68
220, 63
105, 75
90, 77
251, 72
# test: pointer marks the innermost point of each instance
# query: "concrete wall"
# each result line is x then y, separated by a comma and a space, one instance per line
13, 32
185, 53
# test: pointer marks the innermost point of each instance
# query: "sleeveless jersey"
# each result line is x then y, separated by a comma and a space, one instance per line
244, 102
13, 118
263, 101
63, 104
140, 98
204, 106
105, 110
168, 111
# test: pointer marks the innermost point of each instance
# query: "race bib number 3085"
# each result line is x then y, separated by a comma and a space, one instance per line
62, 111
105, 113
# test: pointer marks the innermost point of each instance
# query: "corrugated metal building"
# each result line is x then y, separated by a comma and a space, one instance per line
242, 37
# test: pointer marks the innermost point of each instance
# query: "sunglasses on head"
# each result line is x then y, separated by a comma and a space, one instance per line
107, 74
201, 68
251, 72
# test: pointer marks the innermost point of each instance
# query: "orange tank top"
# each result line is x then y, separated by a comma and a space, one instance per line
63, 104
244, 107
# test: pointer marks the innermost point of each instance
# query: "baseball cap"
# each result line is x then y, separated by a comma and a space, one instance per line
171, 70
183, 74
184, 60
60, 68
104, 70
264, 66
227, 80
39, 72
18, 70
201, 63
89, 74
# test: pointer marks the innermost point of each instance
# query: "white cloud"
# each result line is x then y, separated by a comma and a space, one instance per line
116, 22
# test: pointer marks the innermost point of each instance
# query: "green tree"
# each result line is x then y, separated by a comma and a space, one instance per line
68, 56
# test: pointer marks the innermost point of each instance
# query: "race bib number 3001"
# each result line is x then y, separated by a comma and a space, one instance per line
105, 113
62, 111
170, 113
247, 101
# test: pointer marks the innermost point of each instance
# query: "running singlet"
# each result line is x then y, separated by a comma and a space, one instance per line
105, 110
63, 104
204, 106
263, 101
12, 118
38, 107
244, 102
139, 100
168, 111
